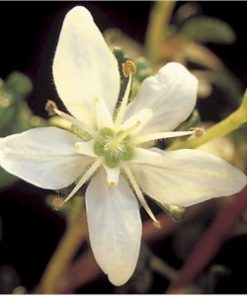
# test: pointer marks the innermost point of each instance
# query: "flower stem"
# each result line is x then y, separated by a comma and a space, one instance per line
227, 125
163, 268
74, 235
217, 233
157, 26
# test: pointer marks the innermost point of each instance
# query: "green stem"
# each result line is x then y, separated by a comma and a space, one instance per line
75, 234
229, 124
158, 22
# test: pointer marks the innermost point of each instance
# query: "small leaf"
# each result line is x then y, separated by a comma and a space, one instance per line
207, 29
194, 120
199, 54
186, 11
18, 85
225, 81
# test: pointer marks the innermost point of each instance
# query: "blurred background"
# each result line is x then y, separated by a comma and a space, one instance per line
30, 229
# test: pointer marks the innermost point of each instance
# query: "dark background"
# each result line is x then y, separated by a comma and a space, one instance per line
28, 36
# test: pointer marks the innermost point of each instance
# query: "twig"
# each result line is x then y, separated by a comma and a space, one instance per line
74, 236
231, 123
85, 268
158, 23
210, 242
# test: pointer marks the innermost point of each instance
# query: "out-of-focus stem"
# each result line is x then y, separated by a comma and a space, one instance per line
226, 126
210, 243
159, 19
74, 236
163, 268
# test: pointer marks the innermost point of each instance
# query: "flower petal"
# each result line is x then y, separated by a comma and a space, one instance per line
44, 157
114, 227
171, 94
138, 121
84, 68
186, 177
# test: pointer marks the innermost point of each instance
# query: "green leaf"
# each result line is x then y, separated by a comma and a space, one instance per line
207, 29
228, 84
193, 121
18, 85
15, 114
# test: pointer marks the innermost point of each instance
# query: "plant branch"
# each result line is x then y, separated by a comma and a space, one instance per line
210, 242
224, 127
74, 236
159, 19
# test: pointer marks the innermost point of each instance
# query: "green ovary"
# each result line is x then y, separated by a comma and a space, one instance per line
114, 147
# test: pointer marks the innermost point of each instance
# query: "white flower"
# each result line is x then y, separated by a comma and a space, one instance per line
87, 79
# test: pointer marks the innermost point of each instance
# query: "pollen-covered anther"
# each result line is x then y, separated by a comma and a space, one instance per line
58, 203
50, 107
198, 132
128, 68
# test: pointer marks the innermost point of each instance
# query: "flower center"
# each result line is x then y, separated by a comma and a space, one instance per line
113, 146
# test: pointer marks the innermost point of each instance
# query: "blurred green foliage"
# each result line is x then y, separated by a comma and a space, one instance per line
208, 29
15, 114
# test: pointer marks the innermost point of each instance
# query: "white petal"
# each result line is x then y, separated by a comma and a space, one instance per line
84, 68
138, 121
171, 94
186, 177
146, 157
114, 227
103, 116
45, 157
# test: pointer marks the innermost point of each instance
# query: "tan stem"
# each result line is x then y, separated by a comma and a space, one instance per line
157, 26
74, 236
227, 125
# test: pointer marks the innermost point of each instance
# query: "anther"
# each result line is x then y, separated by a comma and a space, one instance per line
128, 68
58, 203
198, 132
50, 107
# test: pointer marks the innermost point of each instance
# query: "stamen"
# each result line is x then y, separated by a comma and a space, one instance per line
112, 175
140, 195
198, 132
124, 103
85, 148
142, 118
51, 107
114, 144
84, 178
165, 135
128, 68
